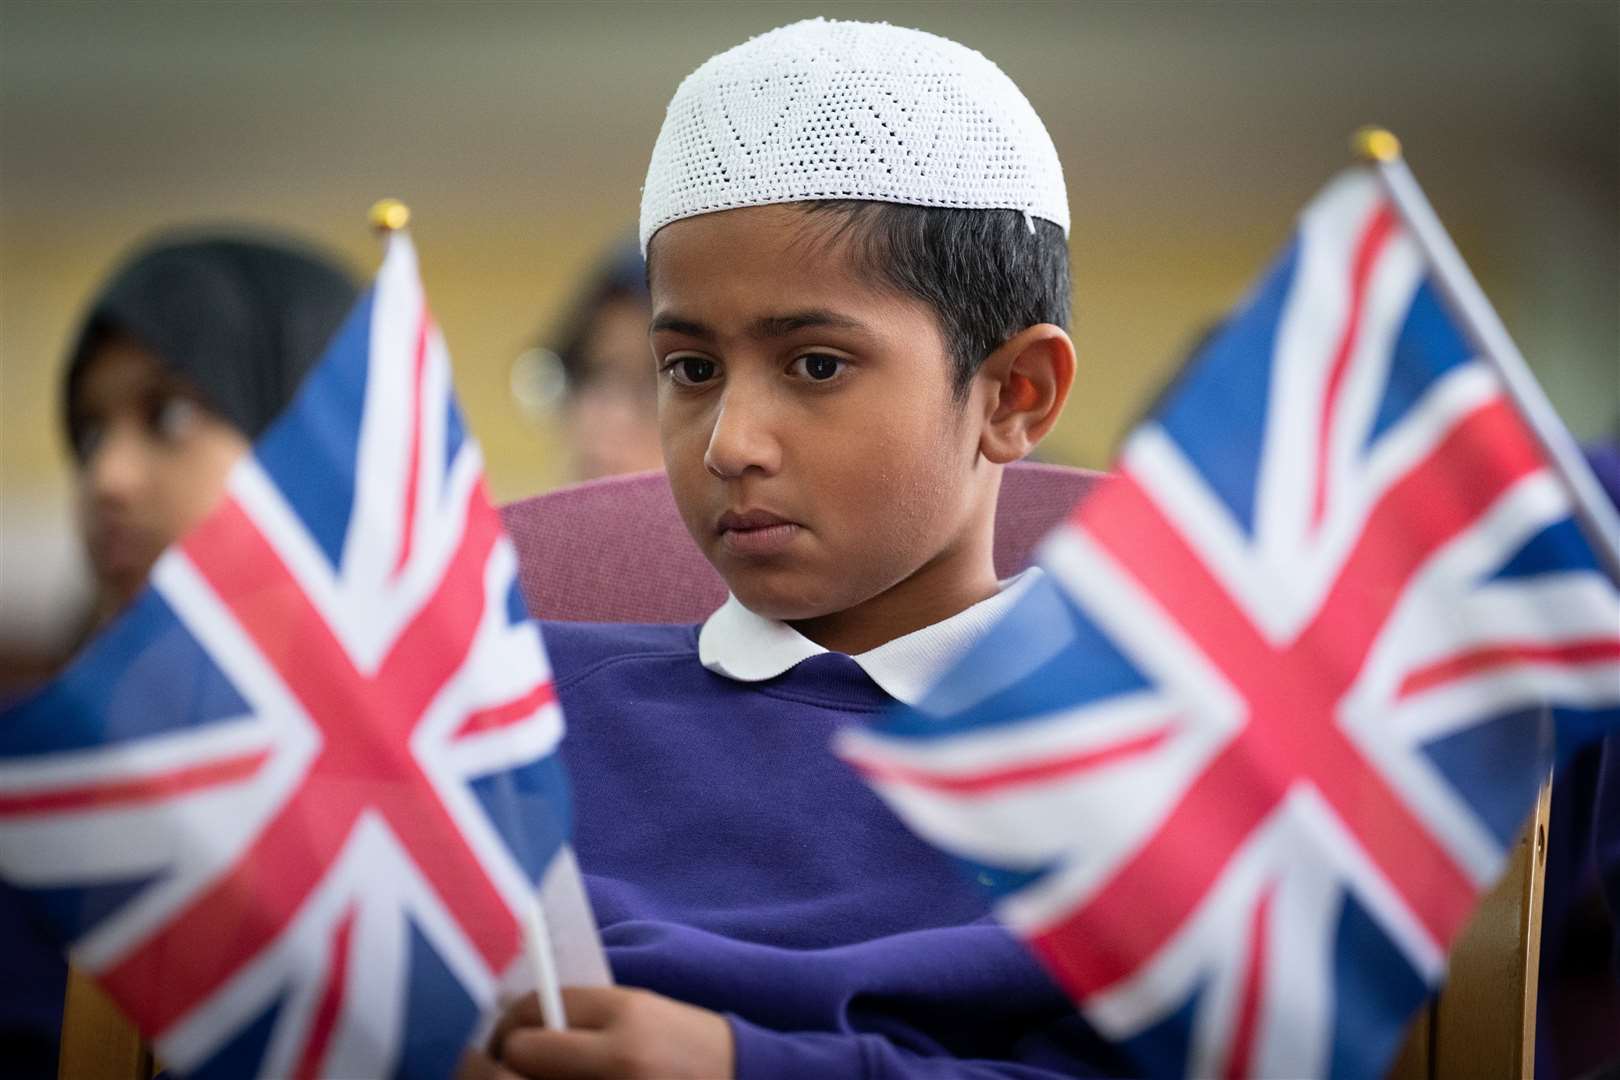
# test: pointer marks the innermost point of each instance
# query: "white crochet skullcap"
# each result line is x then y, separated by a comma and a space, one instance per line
849, 110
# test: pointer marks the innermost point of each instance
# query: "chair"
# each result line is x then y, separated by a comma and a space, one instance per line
1484, 1023
616, 550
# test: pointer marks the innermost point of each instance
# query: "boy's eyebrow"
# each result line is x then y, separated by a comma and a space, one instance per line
675, 324
770, 326
766, 326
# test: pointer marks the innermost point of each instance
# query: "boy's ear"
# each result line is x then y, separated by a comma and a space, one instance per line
1025, 383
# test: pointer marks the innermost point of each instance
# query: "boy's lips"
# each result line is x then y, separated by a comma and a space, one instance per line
120, 550
755, 532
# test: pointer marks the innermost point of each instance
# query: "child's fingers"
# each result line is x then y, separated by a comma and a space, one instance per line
592, 1008
522, 1043
524, 1012
559, 1055
476, 1066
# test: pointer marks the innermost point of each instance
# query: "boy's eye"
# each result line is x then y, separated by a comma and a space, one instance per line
692, 370
173, 418
87, 437
817, 367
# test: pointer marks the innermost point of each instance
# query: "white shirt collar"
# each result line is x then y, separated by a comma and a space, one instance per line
741, 645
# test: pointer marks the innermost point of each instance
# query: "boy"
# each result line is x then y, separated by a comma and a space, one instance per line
859, 272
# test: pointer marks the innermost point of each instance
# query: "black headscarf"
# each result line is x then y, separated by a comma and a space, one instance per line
241, 319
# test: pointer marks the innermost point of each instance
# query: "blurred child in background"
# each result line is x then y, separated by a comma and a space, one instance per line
187, 353
598, 372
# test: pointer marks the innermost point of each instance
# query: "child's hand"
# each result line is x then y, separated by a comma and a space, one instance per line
612, 1032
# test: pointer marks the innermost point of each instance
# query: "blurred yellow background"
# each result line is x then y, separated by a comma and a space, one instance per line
1190, 133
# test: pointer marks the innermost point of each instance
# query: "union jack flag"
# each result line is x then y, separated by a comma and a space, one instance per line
291, 808
1241, 763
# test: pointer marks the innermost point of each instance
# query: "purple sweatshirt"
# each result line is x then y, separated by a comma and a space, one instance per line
735, 864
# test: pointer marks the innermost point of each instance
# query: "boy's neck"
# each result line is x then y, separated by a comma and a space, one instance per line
953, 581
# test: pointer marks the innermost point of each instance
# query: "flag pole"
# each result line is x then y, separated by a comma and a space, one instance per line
1596, 513
388, 217
547, 983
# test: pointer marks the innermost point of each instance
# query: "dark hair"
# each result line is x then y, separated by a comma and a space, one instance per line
988, 274
620, 276
242, 317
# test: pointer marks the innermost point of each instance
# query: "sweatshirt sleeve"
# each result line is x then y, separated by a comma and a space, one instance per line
770, 1055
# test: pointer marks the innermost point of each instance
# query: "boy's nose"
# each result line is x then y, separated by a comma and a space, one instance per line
117, 470
742, 438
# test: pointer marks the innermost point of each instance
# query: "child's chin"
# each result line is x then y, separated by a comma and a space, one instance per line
781, 600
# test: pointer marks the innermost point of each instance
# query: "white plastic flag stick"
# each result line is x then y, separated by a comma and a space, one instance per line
1597, 515
548, 987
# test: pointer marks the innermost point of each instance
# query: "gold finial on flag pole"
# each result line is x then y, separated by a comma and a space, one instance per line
1373, 143
389, 215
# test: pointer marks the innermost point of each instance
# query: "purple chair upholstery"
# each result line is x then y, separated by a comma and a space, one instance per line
615, 550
